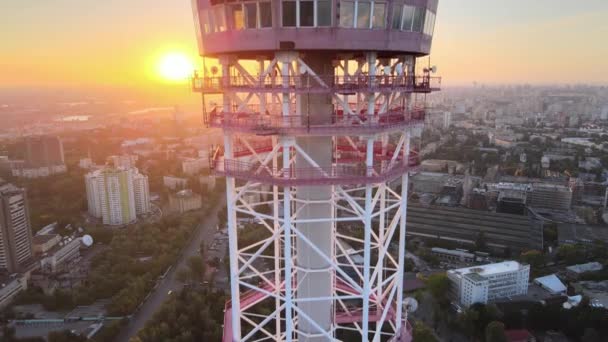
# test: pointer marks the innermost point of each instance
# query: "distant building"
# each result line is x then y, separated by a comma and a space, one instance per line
57, 258
549, 196
463, 225
453, 254
117, 196
11, 286
193, 166
575, 271
184, 201
487, 283
45, 242
85, 163
44, 151
141, 189
125, 161
570, 233
15, 228
43, 157
175, 183
208, 181
552, 284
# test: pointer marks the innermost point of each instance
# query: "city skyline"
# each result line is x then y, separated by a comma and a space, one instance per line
67, 44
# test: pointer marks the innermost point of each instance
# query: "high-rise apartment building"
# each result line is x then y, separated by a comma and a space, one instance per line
15, 230
43, 158
117, 195
141, 191
44, 151
482, 284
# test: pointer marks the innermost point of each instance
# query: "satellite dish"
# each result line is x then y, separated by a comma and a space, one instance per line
410, 304
87, 240
434, 69
214, 70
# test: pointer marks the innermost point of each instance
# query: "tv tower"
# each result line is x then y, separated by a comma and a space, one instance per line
318, 101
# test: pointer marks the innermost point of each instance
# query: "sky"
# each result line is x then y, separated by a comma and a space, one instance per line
118, 43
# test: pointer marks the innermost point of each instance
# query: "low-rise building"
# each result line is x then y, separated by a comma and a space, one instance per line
10, 286
193, 166
453, 254
575, 271
550, 196
175, 183
185, 200
59, 256
570, 233
483, 284
45, 242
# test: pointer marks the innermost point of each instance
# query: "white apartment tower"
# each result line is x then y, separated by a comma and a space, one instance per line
142, 193
117, 195
482, 284
15, 232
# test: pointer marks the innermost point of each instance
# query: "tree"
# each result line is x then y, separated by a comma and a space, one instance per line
438, 285
571, 254
495, 332
183, 275
591, 335
422, 333
197, 267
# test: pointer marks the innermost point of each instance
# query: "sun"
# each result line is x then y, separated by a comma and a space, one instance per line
175, 67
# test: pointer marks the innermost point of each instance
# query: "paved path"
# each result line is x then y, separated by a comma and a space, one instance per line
204, 230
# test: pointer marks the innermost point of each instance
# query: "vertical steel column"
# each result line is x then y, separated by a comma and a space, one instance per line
402, 232
367, 241
233, 246
289, 328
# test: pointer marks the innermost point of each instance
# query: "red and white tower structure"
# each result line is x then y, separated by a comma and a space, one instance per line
318, 101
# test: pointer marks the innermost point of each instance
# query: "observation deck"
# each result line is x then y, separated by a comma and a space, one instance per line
260, 27
336, 174
313, 84
338, 122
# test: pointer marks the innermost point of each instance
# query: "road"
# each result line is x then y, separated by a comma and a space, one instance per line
205, 229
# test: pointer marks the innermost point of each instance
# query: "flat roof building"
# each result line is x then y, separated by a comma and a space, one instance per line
550, 196
464, 226
483, 284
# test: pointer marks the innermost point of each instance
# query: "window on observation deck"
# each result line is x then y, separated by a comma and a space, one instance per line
323, 13
289, 13
419, 15
265, 14
219, 19
306, 13
237, 18
396, 18
363, 14
429, 23
251, 15
369, 14
347, 12
379, 16
408, 18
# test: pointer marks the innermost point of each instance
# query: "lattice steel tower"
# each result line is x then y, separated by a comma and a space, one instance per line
318, 100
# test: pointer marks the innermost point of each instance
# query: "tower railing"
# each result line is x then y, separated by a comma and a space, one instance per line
336, 122
317, 84
323, 175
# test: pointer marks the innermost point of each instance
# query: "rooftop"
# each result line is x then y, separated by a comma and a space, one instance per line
489, 269
40, 239
588, 267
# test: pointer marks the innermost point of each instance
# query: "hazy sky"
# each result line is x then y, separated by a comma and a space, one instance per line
57, 43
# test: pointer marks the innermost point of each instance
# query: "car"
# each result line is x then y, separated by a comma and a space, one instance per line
170, 292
